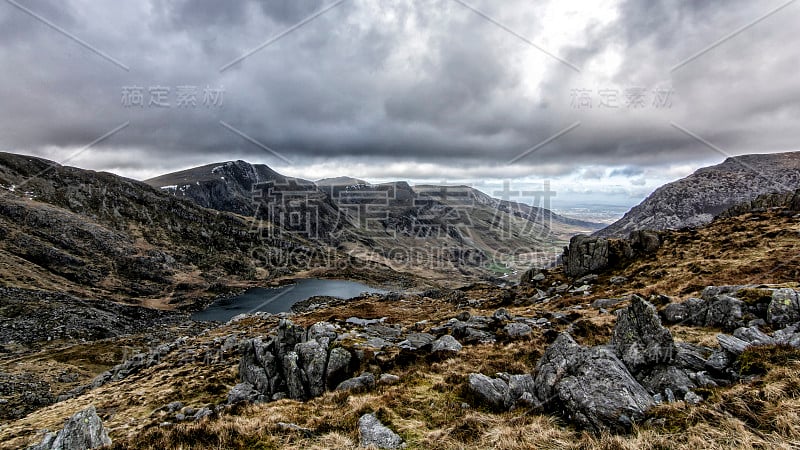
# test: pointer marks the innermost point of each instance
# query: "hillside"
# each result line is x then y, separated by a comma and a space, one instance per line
697, 199
101, 236
480, 366
442, 233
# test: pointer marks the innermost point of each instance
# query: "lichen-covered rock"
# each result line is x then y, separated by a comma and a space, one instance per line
784, 308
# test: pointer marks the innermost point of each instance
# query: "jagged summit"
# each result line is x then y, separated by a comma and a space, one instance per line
698, 198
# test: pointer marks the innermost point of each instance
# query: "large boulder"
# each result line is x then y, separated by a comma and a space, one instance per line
592, 387
84, 430
639, 339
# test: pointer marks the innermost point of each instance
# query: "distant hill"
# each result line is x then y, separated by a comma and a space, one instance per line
698, 198
340, 181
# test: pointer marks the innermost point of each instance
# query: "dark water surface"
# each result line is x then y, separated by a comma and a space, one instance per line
281, 299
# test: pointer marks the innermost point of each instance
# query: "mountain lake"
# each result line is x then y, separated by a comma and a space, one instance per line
280, 299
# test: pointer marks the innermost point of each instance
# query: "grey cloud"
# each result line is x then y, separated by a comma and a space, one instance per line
421, 82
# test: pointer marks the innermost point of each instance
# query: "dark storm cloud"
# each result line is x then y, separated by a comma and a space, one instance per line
420, 82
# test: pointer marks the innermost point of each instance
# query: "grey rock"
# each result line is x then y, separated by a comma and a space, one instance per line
373, 433
692, 398
174, 406
363, 382
493, 392
502, 315
732, 344
592, 387
417, 341
180, 417
463, 316
675, 313
606, 303
243, 392
365, 322
587, 254
313, 358
753, 335
84, 430
668, 377
701, 379
202, 413
691, 357
520, 386
784, 308
388, 379
517, 330
669, 395
697, 311
618, 280
784, 335
338, 369
322, 330
639, 339
293, 375
724, 311
719, 361
447, 344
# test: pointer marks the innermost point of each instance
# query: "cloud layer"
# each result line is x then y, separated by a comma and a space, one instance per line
404, 88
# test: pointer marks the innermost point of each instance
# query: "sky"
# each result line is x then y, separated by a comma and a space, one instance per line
606, 100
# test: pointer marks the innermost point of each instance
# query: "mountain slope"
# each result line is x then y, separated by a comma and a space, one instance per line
434, 231
698, 198
98, 235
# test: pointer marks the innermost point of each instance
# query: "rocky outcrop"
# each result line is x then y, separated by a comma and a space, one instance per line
592, 387
610, 387
294, 363
84, 430
593, 254
720, 306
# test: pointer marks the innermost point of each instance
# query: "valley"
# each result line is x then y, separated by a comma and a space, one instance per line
448, 351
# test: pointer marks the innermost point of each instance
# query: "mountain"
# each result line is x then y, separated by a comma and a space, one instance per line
698, 198
435, 232
699, 334
97, 235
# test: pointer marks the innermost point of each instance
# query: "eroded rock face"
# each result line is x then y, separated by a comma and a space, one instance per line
84, 430
592, 387
591, 254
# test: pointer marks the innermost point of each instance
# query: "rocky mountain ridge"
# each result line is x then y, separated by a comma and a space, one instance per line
695, 200
447, 230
